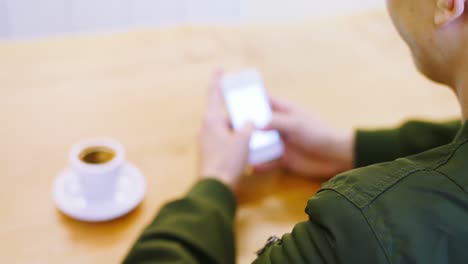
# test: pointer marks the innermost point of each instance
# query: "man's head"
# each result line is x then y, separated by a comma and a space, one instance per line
437, 33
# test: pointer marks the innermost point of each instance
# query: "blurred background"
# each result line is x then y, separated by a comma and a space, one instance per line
21, 19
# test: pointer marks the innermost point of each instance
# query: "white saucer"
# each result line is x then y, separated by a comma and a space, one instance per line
69, 199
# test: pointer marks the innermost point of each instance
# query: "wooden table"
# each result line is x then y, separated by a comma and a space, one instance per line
147, 89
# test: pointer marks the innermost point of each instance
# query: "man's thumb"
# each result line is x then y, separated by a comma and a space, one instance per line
280, 122
246, 131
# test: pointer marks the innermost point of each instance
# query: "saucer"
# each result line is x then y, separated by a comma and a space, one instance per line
69, 199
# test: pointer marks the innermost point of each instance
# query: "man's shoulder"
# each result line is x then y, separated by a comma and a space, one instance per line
419, 200
364, 185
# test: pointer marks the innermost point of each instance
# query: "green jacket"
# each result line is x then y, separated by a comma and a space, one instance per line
396, 207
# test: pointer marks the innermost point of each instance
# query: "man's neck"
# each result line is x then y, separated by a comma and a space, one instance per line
461, 90
459, 82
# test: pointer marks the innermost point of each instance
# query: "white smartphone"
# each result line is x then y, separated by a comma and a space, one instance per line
246, 101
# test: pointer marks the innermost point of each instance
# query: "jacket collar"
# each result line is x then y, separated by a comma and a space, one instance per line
462, 133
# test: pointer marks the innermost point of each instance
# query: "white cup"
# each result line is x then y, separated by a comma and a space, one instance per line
98, 178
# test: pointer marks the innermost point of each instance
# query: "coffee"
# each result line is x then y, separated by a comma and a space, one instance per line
97, 155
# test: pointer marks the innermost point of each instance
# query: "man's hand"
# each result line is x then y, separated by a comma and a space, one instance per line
312, 148
223, 152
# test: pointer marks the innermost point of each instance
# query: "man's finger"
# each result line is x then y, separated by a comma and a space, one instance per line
281, 122
246, 132
280, 105
215, 98
302, 164
215, 114
267, 167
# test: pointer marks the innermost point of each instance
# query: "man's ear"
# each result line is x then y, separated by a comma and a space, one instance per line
448, 11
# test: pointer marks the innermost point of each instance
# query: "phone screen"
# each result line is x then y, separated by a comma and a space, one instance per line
249, 103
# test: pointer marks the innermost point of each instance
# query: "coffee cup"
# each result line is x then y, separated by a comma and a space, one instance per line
97, 164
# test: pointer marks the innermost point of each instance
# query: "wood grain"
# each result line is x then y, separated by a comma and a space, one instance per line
147, 89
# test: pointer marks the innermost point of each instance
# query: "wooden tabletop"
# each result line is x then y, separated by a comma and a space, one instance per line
147, 89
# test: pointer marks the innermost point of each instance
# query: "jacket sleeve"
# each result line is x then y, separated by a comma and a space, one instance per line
336, 232
194, 229
411, 138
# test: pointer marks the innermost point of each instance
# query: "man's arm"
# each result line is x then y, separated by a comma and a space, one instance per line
195, 229
411, 138
199, 229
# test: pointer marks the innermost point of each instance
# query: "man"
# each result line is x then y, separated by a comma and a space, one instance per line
397, 206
